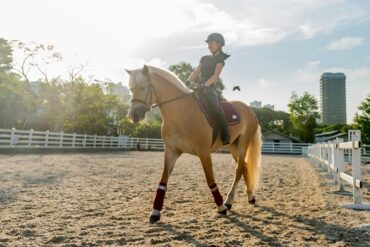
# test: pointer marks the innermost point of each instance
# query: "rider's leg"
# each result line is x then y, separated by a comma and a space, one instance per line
218, 113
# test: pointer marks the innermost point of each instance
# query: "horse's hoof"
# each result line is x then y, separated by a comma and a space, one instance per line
223, 212
154, 218
253, 201
228, 206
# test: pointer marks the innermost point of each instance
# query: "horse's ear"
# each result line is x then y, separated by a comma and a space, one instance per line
146, 70
128, 71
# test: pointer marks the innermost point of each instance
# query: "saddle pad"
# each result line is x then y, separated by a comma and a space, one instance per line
232, 116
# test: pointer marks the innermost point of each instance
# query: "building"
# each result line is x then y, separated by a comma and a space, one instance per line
122, 92
256, 104
330, 136
333, 98
279, 138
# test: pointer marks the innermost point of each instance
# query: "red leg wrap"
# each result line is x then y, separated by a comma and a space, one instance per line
159, 197
216, 195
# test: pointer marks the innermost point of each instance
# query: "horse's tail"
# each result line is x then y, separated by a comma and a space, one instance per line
253, 161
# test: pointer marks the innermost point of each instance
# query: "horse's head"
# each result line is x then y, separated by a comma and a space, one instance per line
142, 93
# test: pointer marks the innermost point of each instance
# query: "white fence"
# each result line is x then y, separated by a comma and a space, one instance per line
12, 138
284, 148
45, 139
332, 155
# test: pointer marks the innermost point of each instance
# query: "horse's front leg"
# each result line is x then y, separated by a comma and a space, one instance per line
170, 157
207, 167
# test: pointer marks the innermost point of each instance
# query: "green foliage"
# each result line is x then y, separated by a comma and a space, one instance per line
150, 129
182, 70
274, 120
6, 58
362, 120
303, 114
331, 127
14, 101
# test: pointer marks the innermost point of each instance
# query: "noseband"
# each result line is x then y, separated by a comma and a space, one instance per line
148, 98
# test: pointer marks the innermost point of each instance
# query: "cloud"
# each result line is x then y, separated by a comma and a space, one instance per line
263, 83
345, 43
310, 73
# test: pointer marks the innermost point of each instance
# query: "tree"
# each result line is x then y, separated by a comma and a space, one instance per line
303, 114
274, 120
13, 92
362, 120
183, 71
6, 56
35, 56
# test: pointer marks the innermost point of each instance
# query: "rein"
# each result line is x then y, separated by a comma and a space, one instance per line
148, 98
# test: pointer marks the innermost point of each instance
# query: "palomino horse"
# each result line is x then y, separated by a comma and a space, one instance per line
186, 130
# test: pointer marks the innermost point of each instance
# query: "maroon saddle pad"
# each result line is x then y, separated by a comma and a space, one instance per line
232, 116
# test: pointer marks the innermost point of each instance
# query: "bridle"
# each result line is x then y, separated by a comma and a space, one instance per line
148, 98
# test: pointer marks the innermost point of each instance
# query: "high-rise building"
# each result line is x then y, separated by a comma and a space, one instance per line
333, 98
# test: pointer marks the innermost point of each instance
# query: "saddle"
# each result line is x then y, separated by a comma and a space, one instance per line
232, 116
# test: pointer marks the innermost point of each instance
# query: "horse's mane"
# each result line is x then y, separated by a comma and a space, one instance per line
170, 77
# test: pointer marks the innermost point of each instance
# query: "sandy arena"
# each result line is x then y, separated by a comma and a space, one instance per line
105, 199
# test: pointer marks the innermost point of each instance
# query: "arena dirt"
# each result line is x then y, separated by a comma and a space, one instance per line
105, 199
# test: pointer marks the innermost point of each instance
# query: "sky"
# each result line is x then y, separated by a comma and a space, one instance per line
276, 47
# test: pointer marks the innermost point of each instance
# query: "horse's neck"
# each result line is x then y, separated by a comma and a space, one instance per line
167, 91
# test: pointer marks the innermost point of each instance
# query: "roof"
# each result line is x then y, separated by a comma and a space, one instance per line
327, 133
327, 138
282, 134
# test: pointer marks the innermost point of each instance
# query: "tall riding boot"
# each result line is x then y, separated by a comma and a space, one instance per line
225, 136
222, 123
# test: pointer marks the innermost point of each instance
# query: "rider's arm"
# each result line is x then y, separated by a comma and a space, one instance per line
216, 75
195, 74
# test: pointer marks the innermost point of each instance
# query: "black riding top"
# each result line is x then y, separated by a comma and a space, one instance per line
208, 67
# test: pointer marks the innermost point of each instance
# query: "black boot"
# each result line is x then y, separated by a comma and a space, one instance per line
225, 136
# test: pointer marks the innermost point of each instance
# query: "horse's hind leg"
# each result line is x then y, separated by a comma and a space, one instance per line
207, 167
170, 157
239, 158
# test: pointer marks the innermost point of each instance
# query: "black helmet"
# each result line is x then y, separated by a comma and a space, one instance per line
217, 37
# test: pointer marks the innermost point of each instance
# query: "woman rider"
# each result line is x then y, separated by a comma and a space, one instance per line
205, 76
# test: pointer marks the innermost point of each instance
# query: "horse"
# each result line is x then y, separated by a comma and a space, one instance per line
185, 129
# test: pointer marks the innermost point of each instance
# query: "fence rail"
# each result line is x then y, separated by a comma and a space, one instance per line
332, 155
13, 138
46, 139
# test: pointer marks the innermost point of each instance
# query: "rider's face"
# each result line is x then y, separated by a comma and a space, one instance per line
213, 47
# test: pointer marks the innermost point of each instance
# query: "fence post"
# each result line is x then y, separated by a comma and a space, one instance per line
147, 144
356, 170
73, 139
340, 165
273, 147
47, 138
12, 137
30, 138
61, 139
84, 141
291, 148
335, 159
94, 140
111, 141
328, 146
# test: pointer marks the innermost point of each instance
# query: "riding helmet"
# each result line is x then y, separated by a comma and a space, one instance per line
217, 37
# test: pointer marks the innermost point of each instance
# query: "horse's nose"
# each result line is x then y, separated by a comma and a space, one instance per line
134, 117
